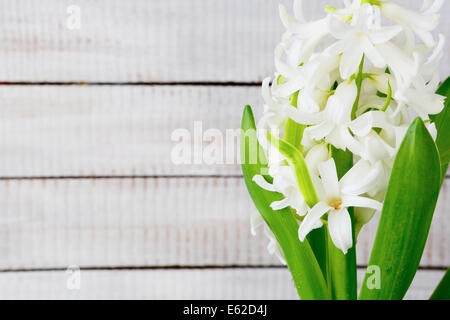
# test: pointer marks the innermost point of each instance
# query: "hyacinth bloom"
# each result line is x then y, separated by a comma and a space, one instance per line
336, 196
355, 124
350, 81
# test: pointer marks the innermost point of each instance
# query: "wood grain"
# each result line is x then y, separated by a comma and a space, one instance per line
175, 215
147, 41
234, 284
115, 130
150, 222
61, 131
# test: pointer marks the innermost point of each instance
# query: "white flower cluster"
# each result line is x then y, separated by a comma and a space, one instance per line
352, 80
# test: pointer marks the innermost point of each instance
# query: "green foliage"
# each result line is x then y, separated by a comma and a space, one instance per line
442, 122
406, 216
305, 269
442, 291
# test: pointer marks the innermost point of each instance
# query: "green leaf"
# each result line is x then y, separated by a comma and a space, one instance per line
442, 122
293, 133
305, 269
445, 157
405, 221
442, 291
343, 266
296, 160
318, 237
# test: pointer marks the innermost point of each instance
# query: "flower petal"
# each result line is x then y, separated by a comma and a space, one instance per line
350, 142
338, 28
329, 178
350, 61
281, 204
361, 178
298, 11
362, 125
338, 47
372, 53
399, 63
256, 220
339, 105
409, 18
432, 6
311, 219
267, 96
384, 34
421, 24
303, 30
362, 202
425, 103
307, 102
261, 182
376, 149
318, 186
286, 89
315, 155
318, 132
282, 67
340, 228
342, 139
303, 117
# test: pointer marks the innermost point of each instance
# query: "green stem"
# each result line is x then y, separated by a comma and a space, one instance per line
343, 266
358, 80
343, 269
293, 131
388, 98
297, 162
318, 241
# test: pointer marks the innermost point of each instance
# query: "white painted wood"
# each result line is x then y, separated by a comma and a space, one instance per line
125, 130
150, 222
235, 284
56, 131
423, 285
147, 41
436, 251
114, 130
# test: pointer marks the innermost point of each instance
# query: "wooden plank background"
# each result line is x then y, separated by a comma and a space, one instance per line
237, 283
86, 176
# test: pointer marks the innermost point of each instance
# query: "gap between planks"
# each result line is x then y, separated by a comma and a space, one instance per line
112, 177
186, 267
153, 83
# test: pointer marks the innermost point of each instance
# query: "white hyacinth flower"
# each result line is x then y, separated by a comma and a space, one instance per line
331, 124
335, 200
351, 81
357, 39
421, 23
273, 247
284, 183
